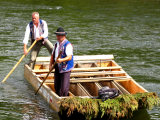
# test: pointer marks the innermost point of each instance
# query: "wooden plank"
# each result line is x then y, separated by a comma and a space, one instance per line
71, 94
103, 73
84, 89
96, 79
91, 87
50, 85
78, 80
132, 86
77, 90
82, 69
43, 59
117, 87
93, 57
87, 74
81, 58
123, 90
103, 78
92, 61
98, 85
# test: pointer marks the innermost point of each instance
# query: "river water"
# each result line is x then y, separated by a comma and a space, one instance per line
128, 29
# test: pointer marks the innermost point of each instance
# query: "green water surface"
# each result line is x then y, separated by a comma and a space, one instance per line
128, 29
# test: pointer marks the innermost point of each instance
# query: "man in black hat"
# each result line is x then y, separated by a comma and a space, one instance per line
64, 64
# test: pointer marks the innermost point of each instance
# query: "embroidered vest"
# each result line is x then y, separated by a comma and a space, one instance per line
41, 29
64, 66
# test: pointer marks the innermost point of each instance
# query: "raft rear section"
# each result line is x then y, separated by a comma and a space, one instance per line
91, 73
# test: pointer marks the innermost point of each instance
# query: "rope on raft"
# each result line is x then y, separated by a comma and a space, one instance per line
119, 107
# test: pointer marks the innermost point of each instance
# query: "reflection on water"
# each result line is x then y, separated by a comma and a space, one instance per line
127, 29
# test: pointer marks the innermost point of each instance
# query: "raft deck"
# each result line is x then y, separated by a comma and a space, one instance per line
90, 73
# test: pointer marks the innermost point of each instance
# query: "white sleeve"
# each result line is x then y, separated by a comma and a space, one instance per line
26, 36
45, 34
69, 49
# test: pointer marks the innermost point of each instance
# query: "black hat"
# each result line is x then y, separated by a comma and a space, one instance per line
60, 31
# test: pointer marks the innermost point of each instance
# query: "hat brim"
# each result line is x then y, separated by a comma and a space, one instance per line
60, 33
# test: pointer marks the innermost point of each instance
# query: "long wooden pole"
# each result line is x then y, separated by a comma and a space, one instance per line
18, 62
49, 72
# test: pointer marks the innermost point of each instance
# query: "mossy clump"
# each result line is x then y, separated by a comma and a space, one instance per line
119, 107
122, 106
86, 106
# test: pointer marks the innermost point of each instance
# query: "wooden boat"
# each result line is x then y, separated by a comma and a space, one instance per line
90, 73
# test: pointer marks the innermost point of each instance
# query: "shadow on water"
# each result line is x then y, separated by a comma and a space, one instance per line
141, 114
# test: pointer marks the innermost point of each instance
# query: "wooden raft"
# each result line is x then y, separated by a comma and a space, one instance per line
90, 73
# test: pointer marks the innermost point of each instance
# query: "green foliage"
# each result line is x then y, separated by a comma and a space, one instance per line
119, 107
147, 100
86, 106
122, 106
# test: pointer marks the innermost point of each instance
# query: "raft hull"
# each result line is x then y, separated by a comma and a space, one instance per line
90, 73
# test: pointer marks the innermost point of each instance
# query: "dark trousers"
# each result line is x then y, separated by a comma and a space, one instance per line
61, 82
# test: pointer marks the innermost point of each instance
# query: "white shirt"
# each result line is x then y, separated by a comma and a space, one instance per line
69, 50
36, 32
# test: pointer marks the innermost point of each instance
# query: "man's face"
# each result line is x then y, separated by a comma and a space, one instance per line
35, 18
60, 38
